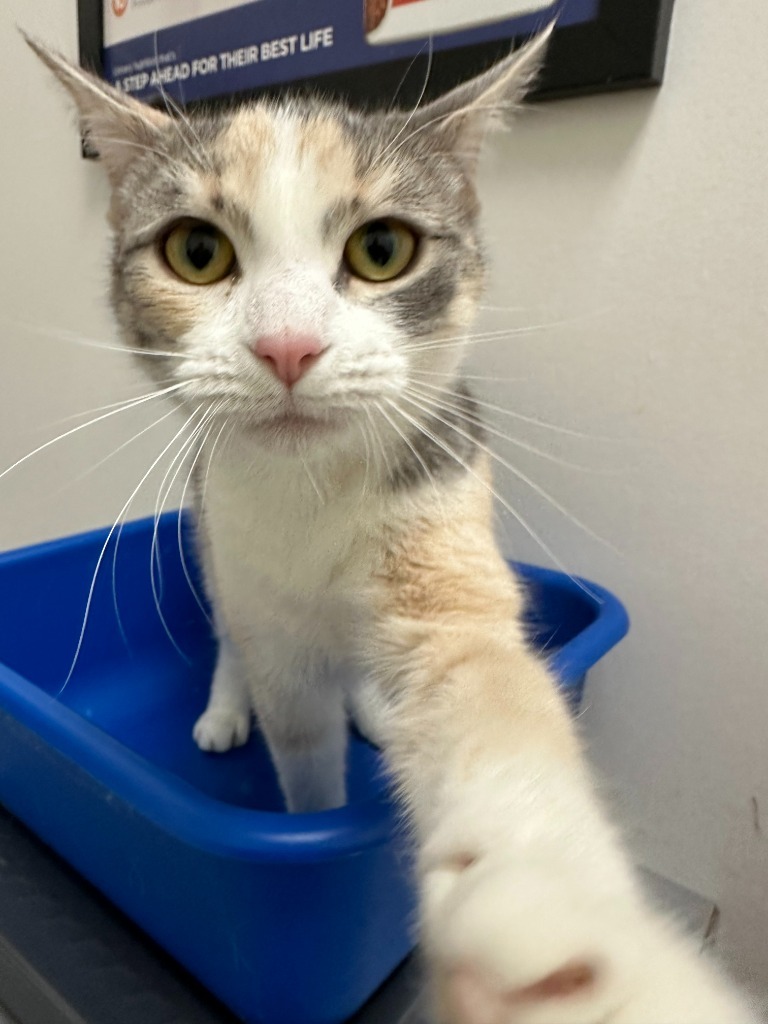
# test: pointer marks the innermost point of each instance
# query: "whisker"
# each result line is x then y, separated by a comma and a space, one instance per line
456, 374
171, 106
90, 423
377, 437
182, 556
533, 420
519, 474
412, 114
438, 119
500, 309
210, 461
163, 154
486, 336
404, 79
115, 405
311, 478
115, 451
73, 338
421, 461
114, 571
368, 457
121, 513
457, 410
512, 511
154, 557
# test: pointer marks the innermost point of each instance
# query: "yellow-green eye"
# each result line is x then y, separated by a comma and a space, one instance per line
198, 252
380, 250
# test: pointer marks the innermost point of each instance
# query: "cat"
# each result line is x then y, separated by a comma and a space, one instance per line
299, 269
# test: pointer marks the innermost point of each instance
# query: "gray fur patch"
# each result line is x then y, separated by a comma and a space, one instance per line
418, 307
428, 460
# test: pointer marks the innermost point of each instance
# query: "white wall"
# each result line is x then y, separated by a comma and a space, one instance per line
54, 279
638, 223
643, 219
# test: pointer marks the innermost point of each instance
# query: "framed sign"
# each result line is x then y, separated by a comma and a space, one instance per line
367, 51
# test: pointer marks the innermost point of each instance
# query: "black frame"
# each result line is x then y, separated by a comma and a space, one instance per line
624, 48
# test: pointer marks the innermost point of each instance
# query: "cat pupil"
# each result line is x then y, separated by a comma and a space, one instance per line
201, 248
380, 243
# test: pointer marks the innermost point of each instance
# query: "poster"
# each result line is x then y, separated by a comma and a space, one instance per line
365, 51
207, 48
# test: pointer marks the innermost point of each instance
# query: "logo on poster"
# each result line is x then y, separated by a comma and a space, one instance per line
119, 7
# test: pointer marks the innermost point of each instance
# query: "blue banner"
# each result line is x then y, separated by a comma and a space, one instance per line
268, 42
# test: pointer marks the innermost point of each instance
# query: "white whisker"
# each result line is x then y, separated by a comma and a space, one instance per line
412, 114
368, 458
533, 420
512, 511
377, 437
462, 414
154, 556
200, 157
90, 423
100, 559
182, 556
311, 478
121, 402
459, 374
484, 337
115, 451
519, 474
73, 338
204, 490
422, 463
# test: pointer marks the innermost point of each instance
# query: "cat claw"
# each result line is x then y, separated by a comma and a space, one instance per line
217, 731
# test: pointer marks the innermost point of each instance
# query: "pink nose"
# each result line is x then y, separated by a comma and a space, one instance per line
288, 356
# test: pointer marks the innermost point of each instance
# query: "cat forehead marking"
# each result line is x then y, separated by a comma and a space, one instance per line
270, 154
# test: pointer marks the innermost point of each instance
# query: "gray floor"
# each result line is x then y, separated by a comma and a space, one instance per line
67, 957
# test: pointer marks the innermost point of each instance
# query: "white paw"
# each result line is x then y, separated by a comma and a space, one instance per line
515, 945
516, 942
218, 730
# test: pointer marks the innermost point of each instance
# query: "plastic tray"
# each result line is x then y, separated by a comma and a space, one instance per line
288, 919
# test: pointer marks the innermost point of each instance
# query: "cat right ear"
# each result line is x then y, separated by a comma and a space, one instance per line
117, 125
460, 119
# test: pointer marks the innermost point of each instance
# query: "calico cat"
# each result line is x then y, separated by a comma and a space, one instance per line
299, 269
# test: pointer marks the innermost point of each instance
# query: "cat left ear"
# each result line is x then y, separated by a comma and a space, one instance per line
461, 118
118, 125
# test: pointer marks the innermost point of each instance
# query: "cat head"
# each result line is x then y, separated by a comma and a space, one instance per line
296, 267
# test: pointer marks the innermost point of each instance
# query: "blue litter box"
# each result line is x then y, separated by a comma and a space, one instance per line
288, 919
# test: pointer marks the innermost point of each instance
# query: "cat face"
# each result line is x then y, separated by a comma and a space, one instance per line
337, 261
295, 267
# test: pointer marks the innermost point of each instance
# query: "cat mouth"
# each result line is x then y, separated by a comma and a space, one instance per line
294, 425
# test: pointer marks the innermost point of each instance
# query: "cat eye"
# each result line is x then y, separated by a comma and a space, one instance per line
380, 250
198, 252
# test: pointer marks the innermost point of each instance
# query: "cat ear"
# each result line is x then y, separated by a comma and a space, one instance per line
461, 118
117, 125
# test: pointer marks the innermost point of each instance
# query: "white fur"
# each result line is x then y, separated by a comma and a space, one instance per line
550, 886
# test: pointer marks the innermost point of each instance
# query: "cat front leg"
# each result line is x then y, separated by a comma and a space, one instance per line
530, 911
226, 721
302, 715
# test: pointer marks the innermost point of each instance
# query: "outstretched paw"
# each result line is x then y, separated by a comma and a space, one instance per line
474, 998
512, 946
516, 940
218, 730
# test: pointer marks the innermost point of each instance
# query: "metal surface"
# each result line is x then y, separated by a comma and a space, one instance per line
68, 957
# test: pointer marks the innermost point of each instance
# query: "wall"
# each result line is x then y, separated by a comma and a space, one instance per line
632, 231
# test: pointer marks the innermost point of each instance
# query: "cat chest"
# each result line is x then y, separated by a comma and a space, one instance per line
272, 548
